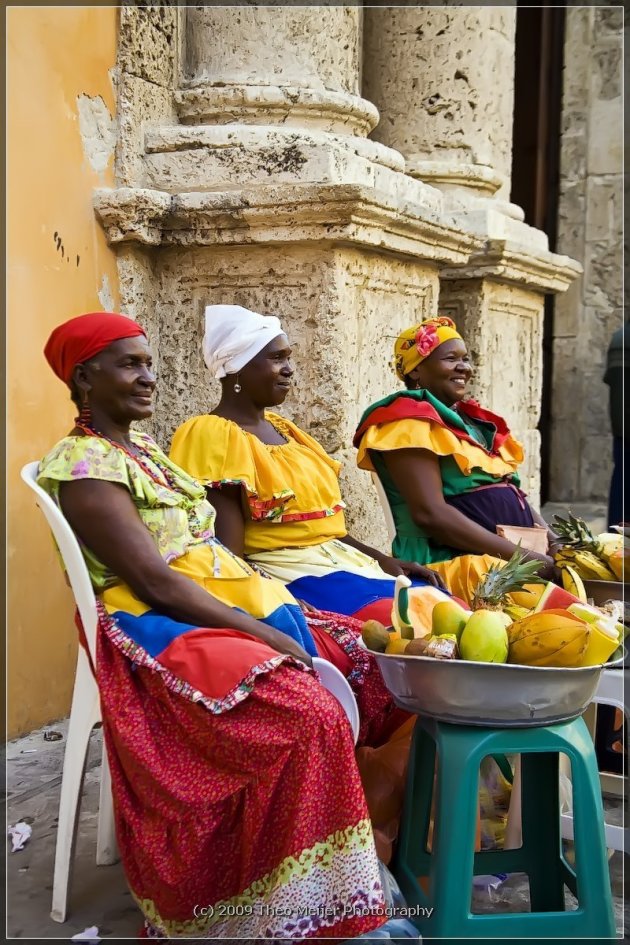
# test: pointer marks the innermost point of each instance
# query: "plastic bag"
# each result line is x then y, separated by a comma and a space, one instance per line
394, 927
383, 772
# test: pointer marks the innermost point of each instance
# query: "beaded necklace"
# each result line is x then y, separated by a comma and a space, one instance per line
210, 539
168, 478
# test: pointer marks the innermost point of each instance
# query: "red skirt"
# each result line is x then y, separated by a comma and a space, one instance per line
249, 822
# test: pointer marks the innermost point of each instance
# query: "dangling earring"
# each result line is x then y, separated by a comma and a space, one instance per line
85, 416
237, 386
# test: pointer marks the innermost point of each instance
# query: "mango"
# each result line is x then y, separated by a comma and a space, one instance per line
448, 618
616, 563
484, 638
421, 602
397, 646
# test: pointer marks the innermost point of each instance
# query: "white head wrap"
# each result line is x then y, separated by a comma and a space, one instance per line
234, 336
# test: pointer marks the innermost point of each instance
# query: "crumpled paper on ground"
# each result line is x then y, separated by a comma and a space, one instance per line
20, 834
87, 935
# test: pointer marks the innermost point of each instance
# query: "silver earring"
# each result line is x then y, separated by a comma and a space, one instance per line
237, 386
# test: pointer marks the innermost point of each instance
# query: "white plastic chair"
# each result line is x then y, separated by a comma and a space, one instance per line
84, 715
86, 711
339, 687
387, 512
609, 692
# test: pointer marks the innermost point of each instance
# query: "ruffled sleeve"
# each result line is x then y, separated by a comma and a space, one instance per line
218, 453
90, 457
83, 457
423, 434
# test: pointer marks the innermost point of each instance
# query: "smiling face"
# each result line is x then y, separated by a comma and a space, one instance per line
119, 382
445, 373
266, 379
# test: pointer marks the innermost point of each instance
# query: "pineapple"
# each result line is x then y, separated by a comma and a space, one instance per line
582, 550
575, 533
491, 594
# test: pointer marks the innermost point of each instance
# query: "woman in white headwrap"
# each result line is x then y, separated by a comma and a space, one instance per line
278, 503
275, 488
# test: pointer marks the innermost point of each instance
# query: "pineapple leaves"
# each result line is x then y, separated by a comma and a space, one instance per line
499, 581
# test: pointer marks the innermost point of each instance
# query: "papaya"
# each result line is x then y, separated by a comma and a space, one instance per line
548, 638
528, 597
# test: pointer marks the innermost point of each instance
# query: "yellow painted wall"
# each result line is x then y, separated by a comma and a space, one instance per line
55, 54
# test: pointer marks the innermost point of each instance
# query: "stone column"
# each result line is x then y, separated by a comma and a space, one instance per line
442, 78
255, 61
443, 81
268, 94
591, 229
265, 191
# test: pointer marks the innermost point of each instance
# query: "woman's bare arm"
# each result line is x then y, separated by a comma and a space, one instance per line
416, 475
230, 523
104, 517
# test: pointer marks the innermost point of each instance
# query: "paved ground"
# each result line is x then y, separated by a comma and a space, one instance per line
99, 895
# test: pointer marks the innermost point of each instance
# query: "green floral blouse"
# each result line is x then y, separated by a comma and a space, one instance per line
173, 508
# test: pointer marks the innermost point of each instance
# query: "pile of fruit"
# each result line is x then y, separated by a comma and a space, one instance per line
587, 557
516, 618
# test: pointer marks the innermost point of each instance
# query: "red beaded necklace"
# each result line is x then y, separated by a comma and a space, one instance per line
166, 473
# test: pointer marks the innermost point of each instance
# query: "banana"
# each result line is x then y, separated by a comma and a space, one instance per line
590, 567
586, 564
572, 582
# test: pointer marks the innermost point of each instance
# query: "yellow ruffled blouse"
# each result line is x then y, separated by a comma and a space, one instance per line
290, 492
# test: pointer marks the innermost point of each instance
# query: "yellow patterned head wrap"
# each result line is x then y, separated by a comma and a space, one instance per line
415, 344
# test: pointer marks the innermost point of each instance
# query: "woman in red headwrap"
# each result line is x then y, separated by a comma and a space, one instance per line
238, 803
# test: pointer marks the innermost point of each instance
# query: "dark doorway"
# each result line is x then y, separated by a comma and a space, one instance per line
536, 159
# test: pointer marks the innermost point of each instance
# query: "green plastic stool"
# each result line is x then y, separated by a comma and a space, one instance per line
450, 869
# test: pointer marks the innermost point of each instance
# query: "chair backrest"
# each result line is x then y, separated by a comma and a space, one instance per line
387, 512
72, 557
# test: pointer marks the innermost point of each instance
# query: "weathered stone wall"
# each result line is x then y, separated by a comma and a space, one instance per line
341, 309
442, 78
247, 175
502, 326
590, 229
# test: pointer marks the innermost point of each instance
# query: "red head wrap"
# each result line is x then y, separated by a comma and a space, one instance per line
82, 337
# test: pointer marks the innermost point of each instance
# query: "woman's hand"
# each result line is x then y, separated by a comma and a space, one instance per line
548, 570
395, 566
306, 607
555, 545
286, 645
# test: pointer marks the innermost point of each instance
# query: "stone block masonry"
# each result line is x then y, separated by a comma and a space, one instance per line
591, 230
247, 174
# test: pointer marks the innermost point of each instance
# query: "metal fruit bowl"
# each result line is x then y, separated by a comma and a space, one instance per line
498, 695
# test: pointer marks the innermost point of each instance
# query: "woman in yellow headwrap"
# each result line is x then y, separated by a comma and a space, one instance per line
448, 466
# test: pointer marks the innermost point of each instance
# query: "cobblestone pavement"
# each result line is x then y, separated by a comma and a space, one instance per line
99, 895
